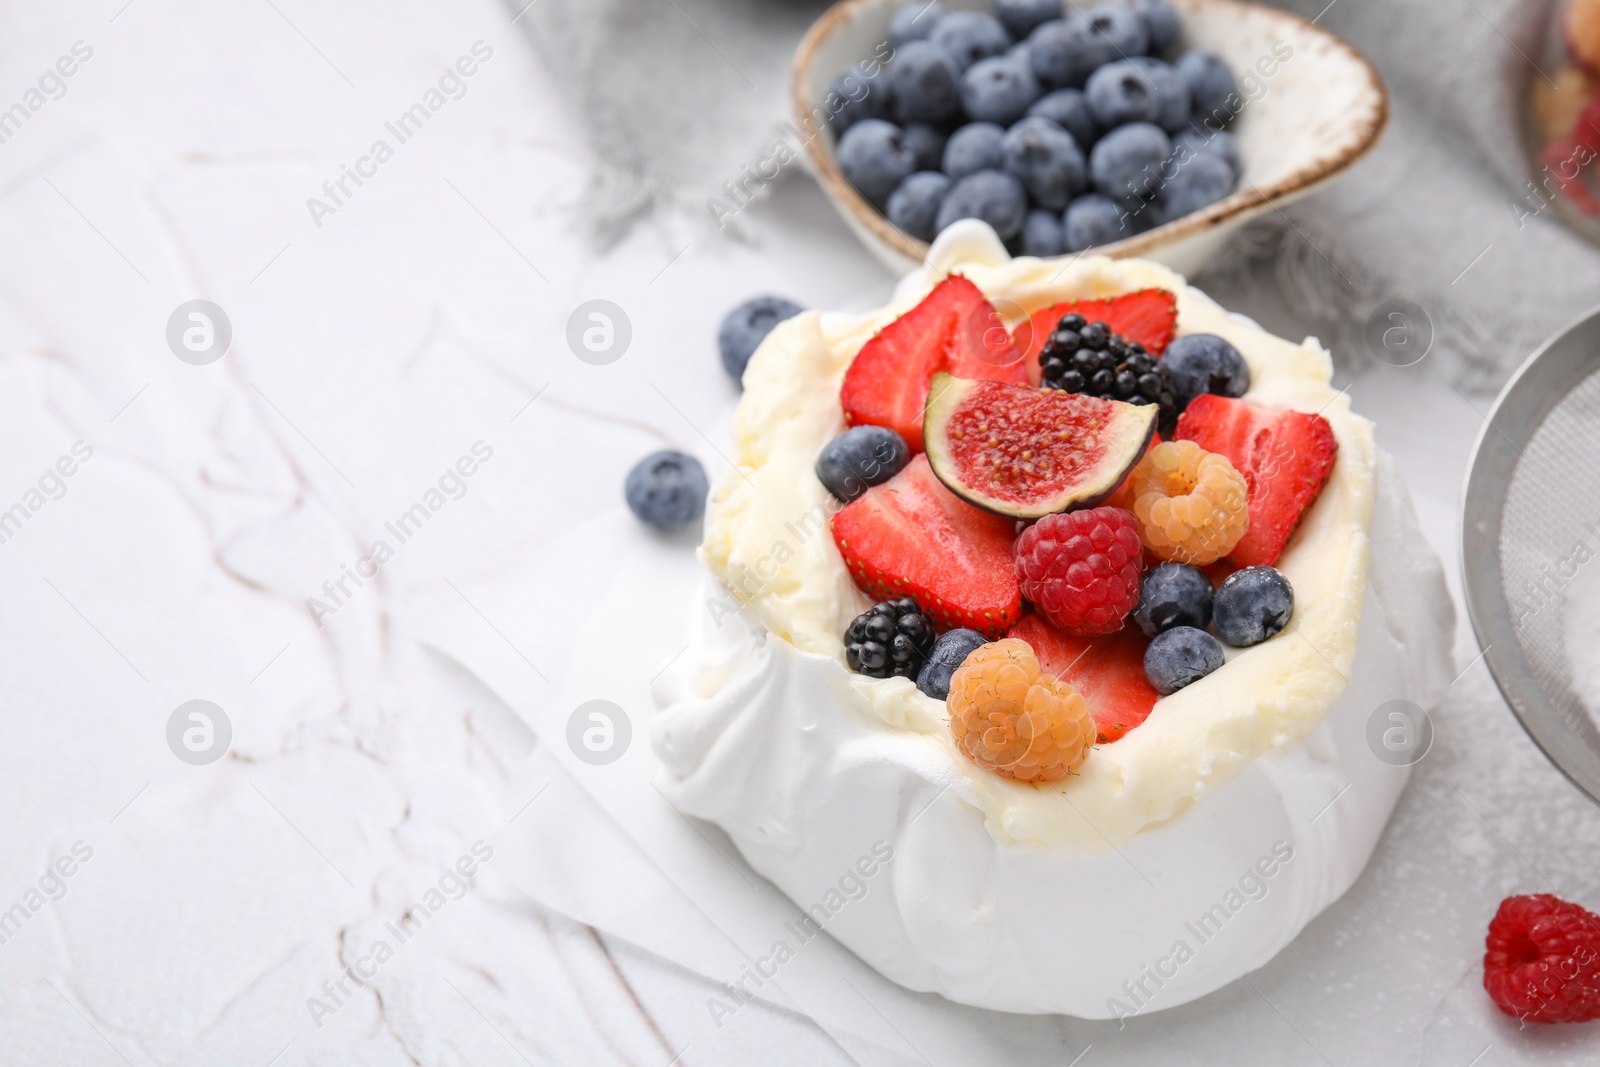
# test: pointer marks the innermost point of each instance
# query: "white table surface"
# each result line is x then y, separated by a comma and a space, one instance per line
369, 353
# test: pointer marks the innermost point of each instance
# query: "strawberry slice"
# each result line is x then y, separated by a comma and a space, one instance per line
954, 330
1107, 671
1149, 316
913, 537
1285, 457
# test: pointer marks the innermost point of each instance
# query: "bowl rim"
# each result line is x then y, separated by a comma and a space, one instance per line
1240, 202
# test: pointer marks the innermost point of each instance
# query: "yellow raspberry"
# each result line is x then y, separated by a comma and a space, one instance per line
1008, 717
1191, 504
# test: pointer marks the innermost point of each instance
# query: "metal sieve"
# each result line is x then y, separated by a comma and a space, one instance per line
1530, 523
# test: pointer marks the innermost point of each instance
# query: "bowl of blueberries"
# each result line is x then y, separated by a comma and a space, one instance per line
1142, 128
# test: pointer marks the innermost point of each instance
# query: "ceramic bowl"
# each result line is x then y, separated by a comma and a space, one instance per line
1307, 118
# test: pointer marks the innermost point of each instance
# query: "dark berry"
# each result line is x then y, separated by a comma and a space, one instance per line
1252, 605
1179, 657
667, 490
1173, 594
893, 638
1205, 363
860, 458
746, 326
949, 653
1086, 357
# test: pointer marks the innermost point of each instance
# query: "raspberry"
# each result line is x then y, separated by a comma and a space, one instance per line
1542, 960
1082, 569
1191, 504
1008, 717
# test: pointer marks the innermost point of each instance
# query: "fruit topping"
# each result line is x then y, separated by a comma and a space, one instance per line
949, 653
1108, 672
1027, 452
1191, 503
667, 490
860, 458
912, 537
1081, 570
1173, 594
1252, 605
1285, 457
1205, 363
1086, 357
1146, 316
1180, 656
1542, 960
890, 639
746, 326
954, 329
1012, 718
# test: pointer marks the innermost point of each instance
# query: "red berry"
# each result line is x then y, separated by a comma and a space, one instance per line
1082, 569
1108, 672
1542, 960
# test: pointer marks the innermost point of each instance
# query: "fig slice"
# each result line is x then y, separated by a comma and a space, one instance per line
1025, 452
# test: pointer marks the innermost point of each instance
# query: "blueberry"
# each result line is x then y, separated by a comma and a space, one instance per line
1068, 109
926, 143
1161, 24
1046, 160
998, 89
1022, 17
1121, 27
914, 22
1019, 52
860, 458
973, 147
746, 326
1220, 143
874, 158
914, 207
1041, 234
969, 36
1064, 52
1173, 594
860, 96
926, 84
1120, 92
1127, 161
1179, 656
1192, 185
1214, 96
990, 195
949, 653
1252, 605
1205, 363
1172, 92
667, 490
1093, 219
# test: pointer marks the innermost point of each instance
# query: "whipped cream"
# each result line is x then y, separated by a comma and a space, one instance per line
1047, 897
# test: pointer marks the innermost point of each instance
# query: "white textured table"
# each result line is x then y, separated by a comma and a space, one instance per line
387, 336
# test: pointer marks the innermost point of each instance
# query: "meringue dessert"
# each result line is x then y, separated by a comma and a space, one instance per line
1075, 676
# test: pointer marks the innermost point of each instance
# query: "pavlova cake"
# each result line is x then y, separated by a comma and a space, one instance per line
1046, 614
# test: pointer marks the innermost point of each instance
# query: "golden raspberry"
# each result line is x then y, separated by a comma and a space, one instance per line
1191, 504
1008, 717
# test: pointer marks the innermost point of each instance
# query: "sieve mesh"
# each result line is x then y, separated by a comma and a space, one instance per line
1550, 529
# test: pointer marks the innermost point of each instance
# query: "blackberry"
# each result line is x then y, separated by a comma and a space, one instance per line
1086, 357
892, 638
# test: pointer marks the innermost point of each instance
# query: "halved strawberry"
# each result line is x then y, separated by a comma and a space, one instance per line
1149, 316
1107, 671
1285, 457
954, 330
913, 537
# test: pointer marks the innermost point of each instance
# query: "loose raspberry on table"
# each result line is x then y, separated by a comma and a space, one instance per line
1008, 716
1542, 960
1082, 569
1191, 504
